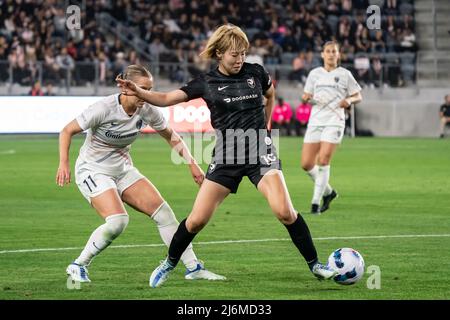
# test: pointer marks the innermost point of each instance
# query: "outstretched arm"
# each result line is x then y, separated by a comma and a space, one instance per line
177, 144
160, 99
65, 138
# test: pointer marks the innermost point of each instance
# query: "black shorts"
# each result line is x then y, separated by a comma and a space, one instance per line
230, 175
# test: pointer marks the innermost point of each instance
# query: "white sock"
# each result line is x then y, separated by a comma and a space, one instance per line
313, 175
167, 225
102, 237
323, 175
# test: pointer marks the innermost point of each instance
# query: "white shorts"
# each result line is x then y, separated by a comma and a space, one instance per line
331, 134
92, 183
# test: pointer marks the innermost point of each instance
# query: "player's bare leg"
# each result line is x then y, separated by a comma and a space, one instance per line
274, 189
310, 163
144, 197
110, 207
209, 197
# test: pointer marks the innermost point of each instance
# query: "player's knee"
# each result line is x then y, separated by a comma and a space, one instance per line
148, 206
307, 166
116, 224
163, 215
195, 224
324, 160
284, 214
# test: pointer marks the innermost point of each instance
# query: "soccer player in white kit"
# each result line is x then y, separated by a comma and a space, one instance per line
331, 89
106, 177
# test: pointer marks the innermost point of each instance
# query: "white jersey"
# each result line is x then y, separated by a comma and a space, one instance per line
110, 133
328, 90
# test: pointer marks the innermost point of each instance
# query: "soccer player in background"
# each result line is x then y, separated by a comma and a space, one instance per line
330, 89
106, 177
234, 93
444, 114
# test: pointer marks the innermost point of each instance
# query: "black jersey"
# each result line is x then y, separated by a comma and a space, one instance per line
445, 109
237, 110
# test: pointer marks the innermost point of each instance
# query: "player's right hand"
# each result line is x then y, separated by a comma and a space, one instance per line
197, 173
63, 174
306, 97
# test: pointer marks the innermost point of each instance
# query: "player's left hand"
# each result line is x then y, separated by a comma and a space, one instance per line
344, 104
197, 173
128, 87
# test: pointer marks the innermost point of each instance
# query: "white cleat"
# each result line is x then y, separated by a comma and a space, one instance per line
78, 272
160, 274
323, 272
200, 273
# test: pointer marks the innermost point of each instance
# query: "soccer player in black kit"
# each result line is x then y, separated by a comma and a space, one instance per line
234, 93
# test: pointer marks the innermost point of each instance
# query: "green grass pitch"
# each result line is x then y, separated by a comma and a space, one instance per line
389, 189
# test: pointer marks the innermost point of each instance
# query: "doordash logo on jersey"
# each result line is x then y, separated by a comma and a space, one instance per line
240, 98
191, 114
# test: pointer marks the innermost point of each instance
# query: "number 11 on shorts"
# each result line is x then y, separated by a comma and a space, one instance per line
91, 181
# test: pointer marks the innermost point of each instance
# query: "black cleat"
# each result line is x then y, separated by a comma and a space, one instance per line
315, 209
327, 200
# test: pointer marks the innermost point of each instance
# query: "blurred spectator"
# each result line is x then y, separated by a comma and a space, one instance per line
390, 7
66, 65
444, 114
299, 71
72, 49
35, 27
254, 57
408, 41
281, 117
394, 78
274, 52
362, 67
22, 74
346, 7
378, 44
302, 113
49, 90
157, 48
376, 72
120, 64
51, 68
363, 43
36, 90
103, 65
3, 48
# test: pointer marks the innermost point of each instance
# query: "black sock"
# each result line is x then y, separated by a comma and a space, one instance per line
179, 243
301, 237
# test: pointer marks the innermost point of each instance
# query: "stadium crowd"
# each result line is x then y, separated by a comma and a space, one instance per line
288, 32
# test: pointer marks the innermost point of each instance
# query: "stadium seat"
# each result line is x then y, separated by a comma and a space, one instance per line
406, 8
251, 32
379, 3
287, 57
333, 21
391, 57
407, 58
408, 72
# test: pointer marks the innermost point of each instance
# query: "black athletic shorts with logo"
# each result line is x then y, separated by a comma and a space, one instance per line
230, 175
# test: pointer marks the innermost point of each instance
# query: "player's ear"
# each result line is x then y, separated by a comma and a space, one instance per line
219, 54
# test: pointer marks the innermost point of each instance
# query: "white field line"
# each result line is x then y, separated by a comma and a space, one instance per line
4, 152
236, 241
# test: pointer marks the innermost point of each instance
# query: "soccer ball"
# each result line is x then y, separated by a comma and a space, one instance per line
349, 263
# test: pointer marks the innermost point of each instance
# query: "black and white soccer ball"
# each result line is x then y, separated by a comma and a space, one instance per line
349, 263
